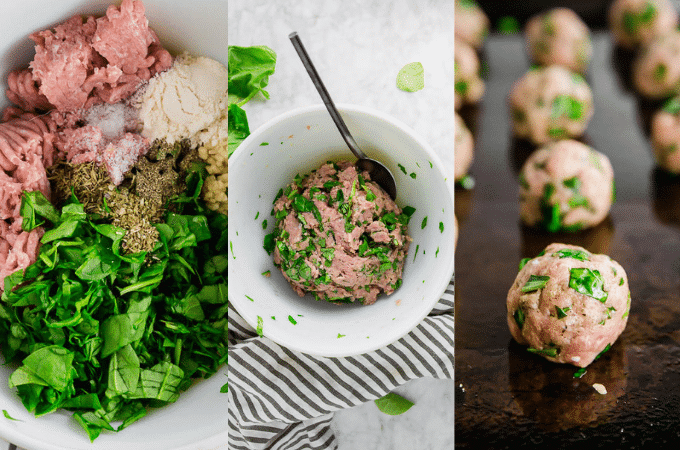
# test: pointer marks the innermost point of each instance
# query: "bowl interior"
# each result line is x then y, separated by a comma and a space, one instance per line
199, 416
297, 143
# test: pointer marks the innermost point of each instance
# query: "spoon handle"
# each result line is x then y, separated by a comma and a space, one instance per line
325, 96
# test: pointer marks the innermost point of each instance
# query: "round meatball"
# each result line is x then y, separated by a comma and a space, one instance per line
568, 305
656, 70
470, 23
637, 22
565, 186
549, 104
468, 85
463, 149
560, 37
666, 136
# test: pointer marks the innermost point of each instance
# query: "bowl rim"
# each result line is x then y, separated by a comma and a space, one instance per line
442, 285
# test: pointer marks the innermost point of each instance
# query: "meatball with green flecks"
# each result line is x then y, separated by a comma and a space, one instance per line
560, 37
636, 23
549, 104
468, 85
666, 136
565, 186
568, 305
656, 70
471, 24
463, 149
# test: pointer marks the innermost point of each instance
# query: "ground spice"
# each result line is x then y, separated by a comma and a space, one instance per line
87, 181
140, 201
134, 214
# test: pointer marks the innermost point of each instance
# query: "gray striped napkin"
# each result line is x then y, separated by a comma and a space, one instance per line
280, 399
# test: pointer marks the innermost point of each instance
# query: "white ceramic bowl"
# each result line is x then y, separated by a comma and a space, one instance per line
299, 142
198, 420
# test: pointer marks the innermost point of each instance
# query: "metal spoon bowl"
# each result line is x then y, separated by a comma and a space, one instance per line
377, 171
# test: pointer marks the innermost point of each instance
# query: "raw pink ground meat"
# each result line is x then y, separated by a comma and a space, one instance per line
83, 62
123, 37
78, 65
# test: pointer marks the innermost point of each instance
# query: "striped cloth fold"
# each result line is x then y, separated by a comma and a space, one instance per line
281, 399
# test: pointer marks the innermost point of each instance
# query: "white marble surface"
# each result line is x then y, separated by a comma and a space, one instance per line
358, 47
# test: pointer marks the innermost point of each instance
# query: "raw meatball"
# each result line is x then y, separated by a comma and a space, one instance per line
470, 23
339, 236
463, 149
565, 186
549, 104
637, 22
559, 37
469, 87
666, 136
656, 70
568, 305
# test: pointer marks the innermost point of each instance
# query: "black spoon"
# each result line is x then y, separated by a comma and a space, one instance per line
378, 172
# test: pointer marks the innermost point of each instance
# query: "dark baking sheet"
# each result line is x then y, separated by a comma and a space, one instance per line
509, 398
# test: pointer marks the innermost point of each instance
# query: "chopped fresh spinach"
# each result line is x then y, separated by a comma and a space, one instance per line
411, 77
523, 262
249, 71
107, 334
519, 317
573, 253
588, 282
393, 404
562, 312
551, 352
535, 283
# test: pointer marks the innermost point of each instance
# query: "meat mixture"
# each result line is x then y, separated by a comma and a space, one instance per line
549, 104
468, 87
637, 22
560, 37
566, 186
666, 136
339, 236
471, 23
568, 305
463, 149
656, 70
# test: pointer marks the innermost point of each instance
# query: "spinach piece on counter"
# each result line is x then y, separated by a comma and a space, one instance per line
249, 71
393, 404
588, 282
411, 77
108, 335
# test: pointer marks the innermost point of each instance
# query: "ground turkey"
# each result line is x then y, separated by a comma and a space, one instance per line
656, 70
549, 104
468, 85
471, 23
565, 186
568, 304
339, 236
560, 37
666, 136
463, 149
637, 22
